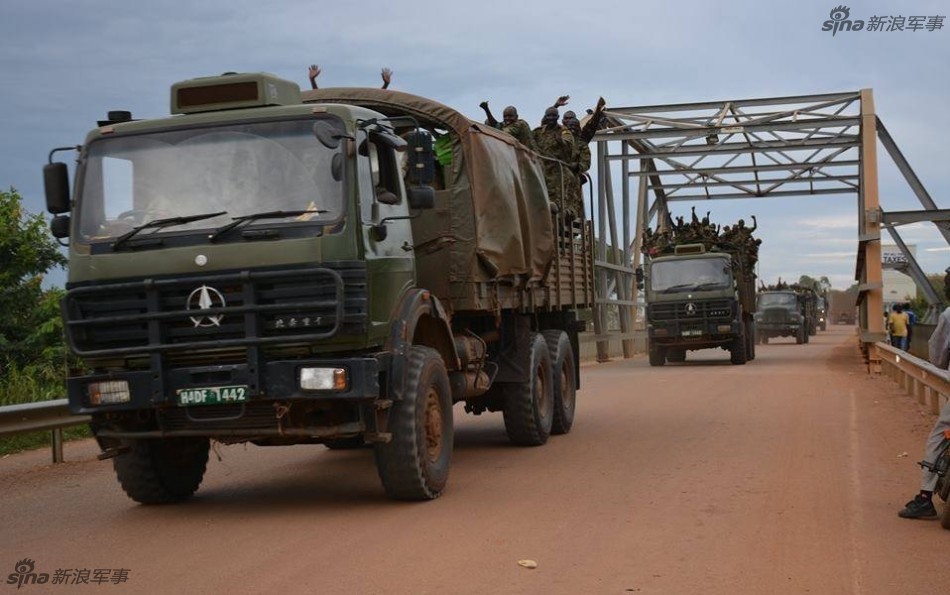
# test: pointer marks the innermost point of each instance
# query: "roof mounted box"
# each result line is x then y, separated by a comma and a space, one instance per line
232, 90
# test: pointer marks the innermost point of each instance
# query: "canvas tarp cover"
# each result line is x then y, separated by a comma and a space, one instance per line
499, 203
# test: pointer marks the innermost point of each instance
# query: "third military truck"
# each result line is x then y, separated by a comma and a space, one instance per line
699, 284
338, 267
787, 311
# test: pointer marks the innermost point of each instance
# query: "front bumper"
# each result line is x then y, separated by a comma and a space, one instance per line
277, 381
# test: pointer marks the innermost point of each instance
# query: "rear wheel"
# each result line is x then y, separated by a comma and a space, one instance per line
800, 335
414, 464
529, 405
765, 340
162, 471
563, 376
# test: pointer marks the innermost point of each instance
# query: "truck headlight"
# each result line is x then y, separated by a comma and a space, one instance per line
323, 379
108, 392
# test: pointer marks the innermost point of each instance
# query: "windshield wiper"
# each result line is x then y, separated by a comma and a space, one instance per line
245, 219
675, 288
161, 223
708, 285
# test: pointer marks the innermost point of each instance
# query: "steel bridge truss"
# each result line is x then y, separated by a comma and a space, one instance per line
754, 148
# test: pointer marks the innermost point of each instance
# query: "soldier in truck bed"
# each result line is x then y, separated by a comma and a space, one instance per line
510, 124
557, 144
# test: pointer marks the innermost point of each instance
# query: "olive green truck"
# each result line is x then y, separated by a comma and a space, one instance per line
338, 267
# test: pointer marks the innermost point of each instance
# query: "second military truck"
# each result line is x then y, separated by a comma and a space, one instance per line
699, 286
338, 266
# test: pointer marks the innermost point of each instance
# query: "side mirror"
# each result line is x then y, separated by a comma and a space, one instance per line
421, 158
56, 183
59, 226
421, 197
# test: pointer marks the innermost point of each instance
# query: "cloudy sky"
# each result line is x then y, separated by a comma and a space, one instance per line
64, 64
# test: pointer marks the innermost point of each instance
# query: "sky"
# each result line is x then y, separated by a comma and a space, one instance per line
63, 65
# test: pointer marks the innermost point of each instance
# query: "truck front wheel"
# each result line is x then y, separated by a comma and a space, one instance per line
737, 352
162, 471
657, 355
565, 389
529, 405
414, 464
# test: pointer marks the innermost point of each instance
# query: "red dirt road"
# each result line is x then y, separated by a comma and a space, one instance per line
781, 476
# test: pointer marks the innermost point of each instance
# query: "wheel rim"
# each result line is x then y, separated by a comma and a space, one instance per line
433, 425
540, 390
567, 385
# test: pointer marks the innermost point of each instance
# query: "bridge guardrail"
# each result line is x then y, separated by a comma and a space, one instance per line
36, 417
921, 379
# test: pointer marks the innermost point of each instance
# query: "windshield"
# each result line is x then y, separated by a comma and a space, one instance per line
691, 274
238, 169
783, 300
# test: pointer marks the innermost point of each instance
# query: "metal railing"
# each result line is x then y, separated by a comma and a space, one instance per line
36, 417
921, 379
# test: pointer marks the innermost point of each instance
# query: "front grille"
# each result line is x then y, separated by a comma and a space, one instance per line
776, 315
221, 312
691, 310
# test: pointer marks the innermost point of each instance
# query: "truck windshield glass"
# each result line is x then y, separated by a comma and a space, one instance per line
240, 169
772, 300
689, 274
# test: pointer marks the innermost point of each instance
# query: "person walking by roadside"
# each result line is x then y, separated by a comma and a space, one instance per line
897, 327
911, 322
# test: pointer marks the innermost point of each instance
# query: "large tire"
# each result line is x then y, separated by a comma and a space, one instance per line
824, 325
657, 355
564, 378
800, 336
676, 355
765, 339
163, 470
529, 405
737, 352
807, 336
414, 464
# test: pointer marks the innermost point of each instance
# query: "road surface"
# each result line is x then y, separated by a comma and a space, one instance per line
781, 476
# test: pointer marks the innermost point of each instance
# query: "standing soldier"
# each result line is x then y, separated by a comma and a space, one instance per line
581, 161
510, 124
556, 144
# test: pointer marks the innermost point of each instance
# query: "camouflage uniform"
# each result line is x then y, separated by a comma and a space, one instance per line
557, 143
519, 129
582, 160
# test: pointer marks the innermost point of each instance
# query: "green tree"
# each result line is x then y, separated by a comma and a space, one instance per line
30, 326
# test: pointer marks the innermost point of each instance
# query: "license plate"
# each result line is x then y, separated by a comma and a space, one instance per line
212, 395
694, 333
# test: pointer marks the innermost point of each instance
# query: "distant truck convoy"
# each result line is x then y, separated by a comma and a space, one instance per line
338, 266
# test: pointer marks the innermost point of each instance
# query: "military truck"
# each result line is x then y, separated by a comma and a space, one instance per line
781, 313
336, 267
699, 295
